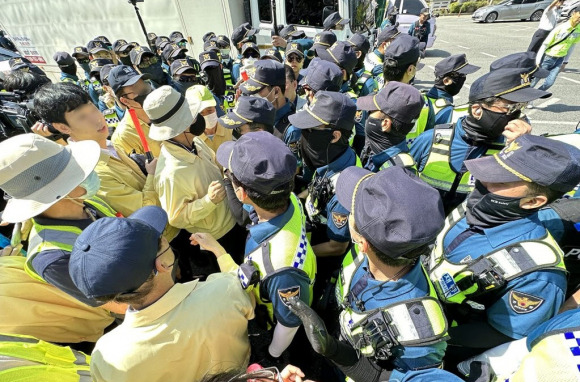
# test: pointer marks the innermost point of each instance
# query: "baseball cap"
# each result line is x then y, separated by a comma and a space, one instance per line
243, 31
210, 44
260, 161
322, 75
202, 95
151, 37
137, 54
169, 113
323, 41
273, 54
333, 20
97, 64
327, 108
523, 60
63, 59
181, 65
103, 39
161, 40
294, 47
208, 58
176, 37
121, 46
95, 46
208, 36
266, 73
117, 255
425, 11
388, 33
105, 71
400, 101
393, 209
172, 50
290, 32
512, 84
223, 42
456, 63
402, 51
249, 110
533, 159
342, 54
36, 172
18, 63
360, 42
250, 46
123, 75
80, 51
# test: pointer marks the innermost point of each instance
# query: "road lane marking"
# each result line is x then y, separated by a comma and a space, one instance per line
463, 47
569, 79
443, 41
552, 122
487, 54
542, 105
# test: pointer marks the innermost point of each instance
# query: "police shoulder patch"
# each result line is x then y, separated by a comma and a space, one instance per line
287, 293
523, 303
358, 116
339, 219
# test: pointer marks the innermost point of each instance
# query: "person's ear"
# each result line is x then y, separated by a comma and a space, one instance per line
364, 244
344, 75
447, 81
476, 111
533, 202
386, 125
61, 127
163, 263
336, 134
411, 70
358, 54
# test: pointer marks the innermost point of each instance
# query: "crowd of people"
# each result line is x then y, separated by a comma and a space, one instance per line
303, 211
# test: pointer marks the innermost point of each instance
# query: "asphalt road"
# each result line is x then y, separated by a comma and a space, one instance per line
484, 43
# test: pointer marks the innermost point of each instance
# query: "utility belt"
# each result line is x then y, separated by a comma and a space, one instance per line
320, 191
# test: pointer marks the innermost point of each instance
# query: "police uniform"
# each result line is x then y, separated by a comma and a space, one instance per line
65, 59
95, 86
158, 77
226, 102
373, 61
244, 32
321, 42
366, 83
511, 274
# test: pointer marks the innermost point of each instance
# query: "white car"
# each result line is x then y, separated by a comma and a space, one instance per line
567, 7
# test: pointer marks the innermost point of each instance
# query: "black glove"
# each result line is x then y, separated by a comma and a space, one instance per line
315, 329
140, 160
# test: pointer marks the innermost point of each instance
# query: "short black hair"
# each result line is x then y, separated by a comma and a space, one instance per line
51, 102
258, 126
270, 203
25, 82
535, 189
290, 76
394, 73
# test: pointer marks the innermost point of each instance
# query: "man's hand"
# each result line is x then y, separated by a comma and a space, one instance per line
279, 41
41, 129
151, 166
292, 374
11, 251
207, 242
216, 192
516, 128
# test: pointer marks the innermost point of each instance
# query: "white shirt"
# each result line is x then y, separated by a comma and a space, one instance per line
549, 19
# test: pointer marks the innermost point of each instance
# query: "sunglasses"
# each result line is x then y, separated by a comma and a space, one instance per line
294, 58
147, 62
513, 107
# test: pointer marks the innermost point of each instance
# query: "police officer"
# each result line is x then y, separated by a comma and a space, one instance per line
108, 104
321, 42
223, 43
151, 37
268, 81
81, 54
496, 100
95, 85
177, 38
262, 170
250, 53
380, 277
122, 49
217, 81
374, 61
68, 68
183, 74
392, 114
242, 34
290, 33
99, 49
495, 265
160, 43
146, 62
272, 54
450, 75
365, 83
334, 21
208, 36
173, 52
23, 63
295, 59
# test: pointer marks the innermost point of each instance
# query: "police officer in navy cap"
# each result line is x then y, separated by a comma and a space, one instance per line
321, 42
96, 87
214, 76
177, 38
450, 75
390, 321
374, 60
290, 33
334, 21
365, 83
272, 54
223, 43
122, 48
81, 54
208, 36
268, 81
251, 114
67, 66
393, 112
173, 52
242, 34
109, 105
98, 49
496, 101
146, 62
295, 59
151, 37
496, 267
184, 74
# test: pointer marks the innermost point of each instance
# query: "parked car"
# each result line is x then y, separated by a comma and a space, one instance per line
512, 10
409, 11
567, 7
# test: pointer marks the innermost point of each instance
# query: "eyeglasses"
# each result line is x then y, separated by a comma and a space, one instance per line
512, 107
83, 61
293, 58
252, 55
147, 62
268, 374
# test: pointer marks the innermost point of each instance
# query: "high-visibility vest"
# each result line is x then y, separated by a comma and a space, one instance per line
415, 322
289, 248
439, 104
53, 237
230, 94
421, 122
400, 160
27, 359
458, 282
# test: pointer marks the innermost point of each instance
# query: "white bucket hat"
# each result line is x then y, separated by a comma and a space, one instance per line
36, 173
170, 113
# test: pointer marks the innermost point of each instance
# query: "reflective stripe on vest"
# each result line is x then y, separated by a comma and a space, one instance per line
414, 322
289, 248
457, 282
55, 237
111, 118
401, 160
421, 122
438, 172
458, 112
439, 104
36, 360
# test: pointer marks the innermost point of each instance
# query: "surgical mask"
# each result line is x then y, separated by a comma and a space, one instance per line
91, 185
156, 73
198, 127
211, 120
266, 97
486, 210
489, 127
225, 54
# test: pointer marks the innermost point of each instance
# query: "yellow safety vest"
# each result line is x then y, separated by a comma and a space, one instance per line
458, 282
416, 322
53, 237
27, 359
111, 118
438, 172
459, 111
439, 104
421, 122
230, 94
401, 160
289, 248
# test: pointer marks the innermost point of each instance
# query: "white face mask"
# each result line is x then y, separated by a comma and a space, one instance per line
210, 120
91, 185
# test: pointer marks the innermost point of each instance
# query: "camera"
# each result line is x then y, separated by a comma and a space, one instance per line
16, 115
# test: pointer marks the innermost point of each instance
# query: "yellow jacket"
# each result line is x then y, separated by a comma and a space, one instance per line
221, 135
181, 181
126, 137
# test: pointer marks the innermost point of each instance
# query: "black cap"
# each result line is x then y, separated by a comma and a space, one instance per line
327, 108
456, 63
397, 100
333, 20
137, 54
172, 50
393, 209
104, 39
176, 37
523, 60
208, 58
121, 46
266, 73
63, 59
323, 41
95, 46
161, 40
223, 42
323, 75
210, 44
249, 109
290, 32
18, 63
388, 33
273, 54
80, 51
181, 65
260, 161
97, 64
360, 42
510, 84
242, 32
151, 37
402, 51
250, 46
208, 36
342, 54
123, 75
105, 71
294, 47
534, 159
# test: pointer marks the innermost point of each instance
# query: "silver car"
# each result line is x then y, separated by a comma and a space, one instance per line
512, 10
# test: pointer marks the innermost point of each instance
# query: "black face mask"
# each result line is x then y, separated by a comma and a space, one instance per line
198, 127
215, 80
377, 139
316, 149
156, 73
126, 60
69, 69
487, 210
140, 99
453, 88
489, 127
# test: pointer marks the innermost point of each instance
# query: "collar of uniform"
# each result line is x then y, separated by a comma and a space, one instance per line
435, 93
345, 88
262, 231
346, 159
379, 54
284, 111
82, 223
64, 75
166, 303
180, 153
387, 154
501, 234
